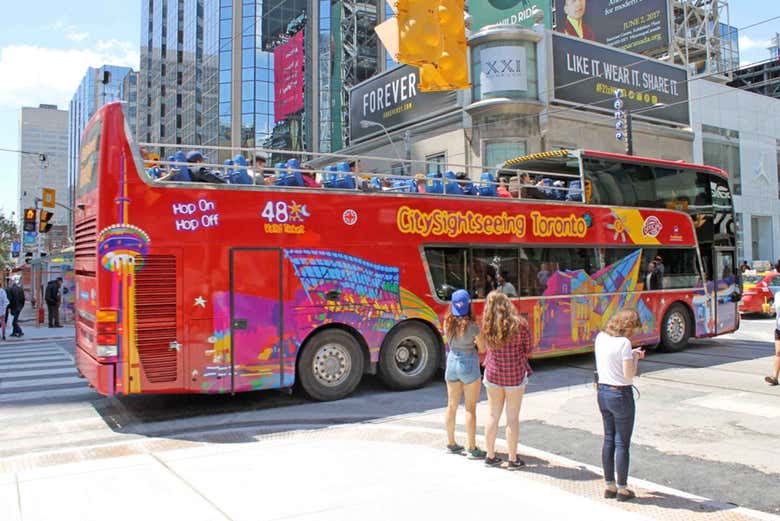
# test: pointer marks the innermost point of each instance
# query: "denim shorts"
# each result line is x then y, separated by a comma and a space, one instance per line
506, 387
462, 366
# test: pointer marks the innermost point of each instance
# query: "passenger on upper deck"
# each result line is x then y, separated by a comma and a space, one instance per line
419, 181
201, 173
531, 189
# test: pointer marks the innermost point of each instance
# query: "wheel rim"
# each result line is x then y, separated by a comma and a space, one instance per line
675, 327
332, 364
411, 355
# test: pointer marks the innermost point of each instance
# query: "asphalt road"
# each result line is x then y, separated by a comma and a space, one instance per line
706, 424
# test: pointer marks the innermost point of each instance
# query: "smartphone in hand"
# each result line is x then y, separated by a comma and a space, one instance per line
639, 352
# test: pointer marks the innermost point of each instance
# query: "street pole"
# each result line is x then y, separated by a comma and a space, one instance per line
629, 135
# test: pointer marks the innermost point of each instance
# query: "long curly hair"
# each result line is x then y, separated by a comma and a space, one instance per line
455, 327
500, 321
623, 323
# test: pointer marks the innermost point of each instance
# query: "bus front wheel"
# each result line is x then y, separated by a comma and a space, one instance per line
409, 357
331, 365
675, 328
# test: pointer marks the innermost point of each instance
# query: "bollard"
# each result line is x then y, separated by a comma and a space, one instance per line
40, 315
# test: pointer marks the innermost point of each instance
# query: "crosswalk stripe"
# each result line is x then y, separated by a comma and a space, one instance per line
37, 362
49, 383
22, 352
20, 366
17, 374
69, 393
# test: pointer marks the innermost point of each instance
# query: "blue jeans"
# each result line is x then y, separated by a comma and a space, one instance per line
617, 410
462, 366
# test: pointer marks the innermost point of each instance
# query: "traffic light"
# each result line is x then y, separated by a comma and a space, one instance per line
44, 225
419, 34
453, 65
29, 219
430, 34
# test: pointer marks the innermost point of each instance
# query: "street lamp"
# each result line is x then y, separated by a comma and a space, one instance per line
364, 123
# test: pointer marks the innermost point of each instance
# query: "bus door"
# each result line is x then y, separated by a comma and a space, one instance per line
257, 317
726, 290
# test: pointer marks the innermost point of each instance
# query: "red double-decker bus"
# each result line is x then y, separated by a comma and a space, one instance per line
192, 287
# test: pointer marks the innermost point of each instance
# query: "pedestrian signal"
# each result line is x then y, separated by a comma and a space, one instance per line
29, 219
44, 225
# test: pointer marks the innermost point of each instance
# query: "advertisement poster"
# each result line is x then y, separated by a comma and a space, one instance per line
515, 12
394, 100
588, 73
289, 77
639, 26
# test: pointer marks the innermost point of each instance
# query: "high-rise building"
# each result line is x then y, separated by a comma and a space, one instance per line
43, 139
98, 86
209, 69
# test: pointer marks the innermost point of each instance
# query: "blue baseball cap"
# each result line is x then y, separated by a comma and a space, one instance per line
460, 303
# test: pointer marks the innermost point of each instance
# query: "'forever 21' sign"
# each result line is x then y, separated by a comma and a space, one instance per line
394, 100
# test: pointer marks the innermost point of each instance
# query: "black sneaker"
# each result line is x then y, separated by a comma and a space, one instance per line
513, 465
492, 462
476, 453
771, 380
455, 449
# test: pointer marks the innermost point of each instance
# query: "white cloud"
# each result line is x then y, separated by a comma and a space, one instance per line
746, 43
33, 75
71, 32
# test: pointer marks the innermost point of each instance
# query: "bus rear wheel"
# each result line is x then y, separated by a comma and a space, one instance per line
675, 328
331, 365
409, 357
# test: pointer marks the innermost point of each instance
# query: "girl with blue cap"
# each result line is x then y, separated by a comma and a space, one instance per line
462, 372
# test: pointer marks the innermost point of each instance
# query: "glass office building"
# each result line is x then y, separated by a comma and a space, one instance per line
207, 71
93, 93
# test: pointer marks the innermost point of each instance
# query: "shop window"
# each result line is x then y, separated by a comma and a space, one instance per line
436, 163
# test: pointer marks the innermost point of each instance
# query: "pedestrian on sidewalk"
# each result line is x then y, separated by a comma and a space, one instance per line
772, 380
3, 311
53, 300
508, 343
16, 303
616, 366
462, 371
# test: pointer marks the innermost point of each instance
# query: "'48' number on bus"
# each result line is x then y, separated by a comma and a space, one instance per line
276, 212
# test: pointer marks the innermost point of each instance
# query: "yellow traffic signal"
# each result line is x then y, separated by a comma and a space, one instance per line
44, 225
453, 63
29, 219
419, 34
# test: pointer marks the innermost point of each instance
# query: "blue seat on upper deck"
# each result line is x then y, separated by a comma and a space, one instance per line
239, 176
329, 177
292, 176
487, 185
345, 178
434, 184
575, 191
182, 172
452, 187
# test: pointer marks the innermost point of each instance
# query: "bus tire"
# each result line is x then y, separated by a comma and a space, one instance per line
331, 365
675, 328
409, 356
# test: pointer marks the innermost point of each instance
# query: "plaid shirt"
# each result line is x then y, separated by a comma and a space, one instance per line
509, 365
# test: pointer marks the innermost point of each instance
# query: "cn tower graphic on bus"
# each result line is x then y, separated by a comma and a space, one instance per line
121, 250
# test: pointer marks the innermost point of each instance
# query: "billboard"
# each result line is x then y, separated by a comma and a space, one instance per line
588, 73
394, 100
633, 25
288, 77
520, 12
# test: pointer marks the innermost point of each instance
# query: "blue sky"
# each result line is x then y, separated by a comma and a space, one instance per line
46, 49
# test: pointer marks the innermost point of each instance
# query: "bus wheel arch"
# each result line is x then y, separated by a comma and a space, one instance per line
411, 353
676, 327
331, 362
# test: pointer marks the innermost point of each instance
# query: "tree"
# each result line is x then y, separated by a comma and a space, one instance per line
8, 234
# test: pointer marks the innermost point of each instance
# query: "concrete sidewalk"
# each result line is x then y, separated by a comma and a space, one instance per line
35, 333
378, 471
